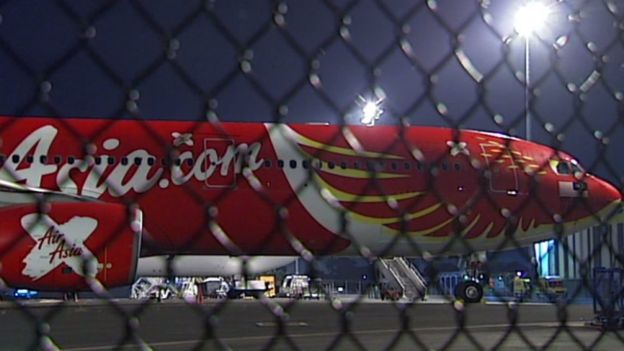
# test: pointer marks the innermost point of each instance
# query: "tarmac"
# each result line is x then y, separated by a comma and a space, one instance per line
281, 324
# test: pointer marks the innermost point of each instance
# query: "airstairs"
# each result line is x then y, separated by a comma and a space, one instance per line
399, 274
151, 288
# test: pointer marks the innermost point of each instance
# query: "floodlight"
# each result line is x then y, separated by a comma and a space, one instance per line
370, 112
531, 18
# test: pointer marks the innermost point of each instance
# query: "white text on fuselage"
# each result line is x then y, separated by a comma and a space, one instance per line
118, 179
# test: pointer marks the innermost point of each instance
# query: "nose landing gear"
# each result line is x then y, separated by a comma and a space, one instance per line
469, 291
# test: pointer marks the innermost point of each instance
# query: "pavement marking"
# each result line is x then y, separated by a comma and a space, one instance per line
288, 324
364, 332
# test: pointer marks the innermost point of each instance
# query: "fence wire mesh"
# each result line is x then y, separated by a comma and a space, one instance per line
114, 72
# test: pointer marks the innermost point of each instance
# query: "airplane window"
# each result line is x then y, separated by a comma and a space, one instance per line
43, 159
457, 167
331, 164
150, 161
70, 160
189, 161
393, 166
267, 163
58, 159
377, 166
29, 159
293, 164
563, 167
138, 161
177, 162
1, 159
280, 163
124, 161
343, 165
407, 166
444, 166
98, 160
418, 166
111, 160
305, 164
356, 165
15, 158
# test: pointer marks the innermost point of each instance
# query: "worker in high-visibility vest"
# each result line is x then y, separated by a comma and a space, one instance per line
521, 287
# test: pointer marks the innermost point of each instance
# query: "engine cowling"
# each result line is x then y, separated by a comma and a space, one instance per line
69, 244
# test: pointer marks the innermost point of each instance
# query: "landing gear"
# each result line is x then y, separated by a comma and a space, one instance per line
70, 296
469, 291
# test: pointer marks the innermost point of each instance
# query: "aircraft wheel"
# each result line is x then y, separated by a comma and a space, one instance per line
469, 291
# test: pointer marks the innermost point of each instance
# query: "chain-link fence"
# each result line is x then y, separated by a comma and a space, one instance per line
119, 154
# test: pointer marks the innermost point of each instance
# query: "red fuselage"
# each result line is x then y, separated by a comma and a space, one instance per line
265, 189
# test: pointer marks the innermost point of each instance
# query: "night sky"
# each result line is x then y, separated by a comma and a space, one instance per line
445, 63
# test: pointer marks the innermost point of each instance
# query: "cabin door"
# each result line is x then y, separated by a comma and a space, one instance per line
220, 162
504, 164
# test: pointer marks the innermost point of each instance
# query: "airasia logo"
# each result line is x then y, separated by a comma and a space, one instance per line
57, 244
63, 248
117, 179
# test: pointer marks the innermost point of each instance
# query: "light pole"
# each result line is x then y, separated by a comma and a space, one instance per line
529, 19
527, 84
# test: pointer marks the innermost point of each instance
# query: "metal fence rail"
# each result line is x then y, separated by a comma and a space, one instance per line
461, 65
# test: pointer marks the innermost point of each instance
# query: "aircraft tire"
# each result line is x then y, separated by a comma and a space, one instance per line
469, 291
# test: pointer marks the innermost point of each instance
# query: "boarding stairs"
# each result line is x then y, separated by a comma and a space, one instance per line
152, 287
399, 272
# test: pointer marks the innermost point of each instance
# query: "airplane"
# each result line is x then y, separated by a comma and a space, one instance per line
84, 201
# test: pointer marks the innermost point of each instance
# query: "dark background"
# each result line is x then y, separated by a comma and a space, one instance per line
188, 60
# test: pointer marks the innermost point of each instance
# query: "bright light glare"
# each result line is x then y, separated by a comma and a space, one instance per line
370, 112
531, 18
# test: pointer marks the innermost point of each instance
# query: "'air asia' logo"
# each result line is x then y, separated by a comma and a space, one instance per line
56, 244
119, 178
